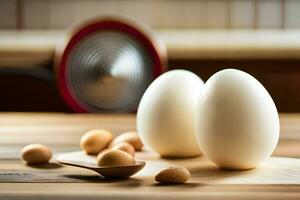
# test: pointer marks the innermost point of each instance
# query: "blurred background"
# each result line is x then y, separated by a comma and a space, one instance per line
261, 37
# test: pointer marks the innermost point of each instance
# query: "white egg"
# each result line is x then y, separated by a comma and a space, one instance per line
237, 121
166, 113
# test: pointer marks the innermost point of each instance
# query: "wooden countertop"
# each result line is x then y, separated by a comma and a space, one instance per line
233, 44
27, 48
34, 48
278, 178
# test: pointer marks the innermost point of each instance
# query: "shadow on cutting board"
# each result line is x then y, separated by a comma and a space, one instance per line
130, 182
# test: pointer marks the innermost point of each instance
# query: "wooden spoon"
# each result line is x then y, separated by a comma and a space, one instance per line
107, 171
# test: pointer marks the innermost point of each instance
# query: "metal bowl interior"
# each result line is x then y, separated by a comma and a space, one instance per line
106, 65
109, 71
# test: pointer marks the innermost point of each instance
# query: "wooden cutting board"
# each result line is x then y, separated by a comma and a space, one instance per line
275, 170
277, 178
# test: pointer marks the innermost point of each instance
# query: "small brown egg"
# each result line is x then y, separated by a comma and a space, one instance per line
95, 141
125, 146
129, 137
115, 158
173, 175
34, 154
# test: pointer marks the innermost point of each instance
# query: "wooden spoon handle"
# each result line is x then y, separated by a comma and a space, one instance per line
81, 164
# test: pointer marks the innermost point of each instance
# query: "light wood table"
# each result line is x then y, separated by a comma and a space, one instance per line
278, 178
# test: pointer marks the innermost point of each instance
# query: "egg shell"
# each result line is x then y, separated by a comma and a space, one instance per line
165, 116
115, 158
35, 154
237, 121
95, 141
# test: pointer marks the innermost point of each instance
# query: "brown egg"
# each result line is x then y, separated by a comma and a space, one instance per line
173, 175
124, 147
115, 158
34, 154
95, 141
129, 137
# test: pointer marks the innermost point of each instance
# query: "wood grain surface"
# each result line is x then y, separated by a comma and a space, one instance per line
277, 178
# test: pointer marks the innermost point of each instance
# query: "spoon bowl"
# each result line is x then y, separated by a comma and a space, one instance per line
122, 171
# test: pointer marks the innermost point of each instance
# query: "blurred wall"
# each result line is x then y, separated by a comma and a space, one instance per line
158, 14
33, 88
